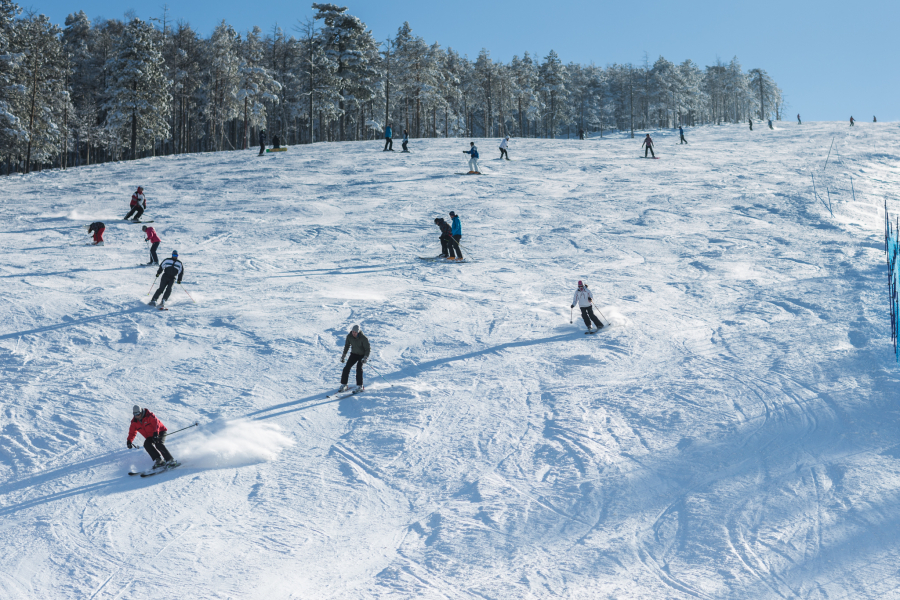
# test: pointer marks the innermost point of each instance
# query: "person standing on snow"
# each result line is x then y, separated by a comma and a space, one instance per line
262, 142
448, 244
770, 124
648, 146
388, 138
154, 239
473, 159
276, 141
171, 268
751, 124
358, 345
852, 120
504, 147
874, 120
138, 204
455, 231
799, 122
97, 230
581, 134
585, 300
154, 432
681, 133
405, 140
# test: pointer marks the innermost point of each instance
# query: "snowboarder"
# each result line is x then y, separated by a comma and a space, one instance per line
358, 345
97, 230
389, 138
455, 230
405, 140
751, 124
449, 246
852, 120
799, 122
504, 147
473, 160
581, 134
154, 432
648, 146
138, 205
170, 269
770, 124
681, 133
276, 141
584, 299
262, 142
154, 239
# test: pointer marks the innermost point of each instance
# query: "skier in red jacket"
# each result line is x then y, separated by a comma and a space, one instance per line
138, 204
154, 432
97, 229
154, 240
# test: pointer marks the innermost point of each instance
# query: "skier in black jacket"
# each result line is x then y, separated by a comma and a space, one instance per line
170, 269
262, 142
448, 243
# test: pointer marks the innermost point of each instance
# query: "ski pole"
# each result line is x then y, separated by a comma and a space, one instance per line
380, 375
571, 314
186, 292
152, 284
604, 317
194, 424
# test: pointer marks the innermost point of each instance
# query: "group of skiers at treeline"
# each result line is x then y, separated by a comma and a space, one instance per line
276, 142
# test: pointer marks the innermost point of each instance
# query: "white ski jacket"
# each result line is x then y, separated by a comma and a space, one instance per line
583, 298
504, 143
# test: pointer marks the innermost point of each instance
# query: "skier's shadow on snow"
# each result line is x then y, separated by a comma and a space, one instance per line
407, 372
74, 322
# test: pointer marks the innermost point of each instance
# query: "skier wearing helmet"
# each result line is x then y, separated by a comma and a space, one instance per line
358, 345
138, 204
585, 300
154, 240
154, 432
171, 268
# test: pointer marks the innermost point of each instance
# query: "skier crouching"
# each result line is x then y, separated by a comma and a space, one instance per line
585, 300
154, 432
97, 230
473, 159
170, 269
358, 345
449, 245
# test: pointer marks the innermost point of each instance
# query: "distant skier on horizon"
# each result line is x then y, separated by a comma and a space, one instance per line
276, 141
504, 147
405, 140
581, 134
473, 159
770, 124
799, 122
171, 268
262, 142
154, 239
389, 138
138, 205
97, 230
751, 124
647, 145
681, 133
585, 301
874, 120
358, 345
852, 120
154, 432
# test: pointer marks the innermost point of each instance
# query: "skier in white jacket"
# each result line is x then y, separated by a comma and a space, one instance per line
504, 146
585, 300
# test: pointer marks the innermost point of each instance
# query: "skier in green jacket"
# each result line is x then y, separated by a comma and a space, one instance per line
358, 345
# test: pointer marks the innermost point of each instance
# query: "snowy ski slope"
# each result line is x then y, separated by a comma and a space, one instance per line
734, 434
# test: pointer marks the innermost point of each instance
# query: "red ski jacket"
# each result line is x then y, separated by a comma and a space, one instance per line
138, 199
151, 235
148, 427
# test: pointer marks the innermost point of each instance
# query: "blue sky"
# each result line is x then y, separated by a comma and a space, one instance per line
832, 59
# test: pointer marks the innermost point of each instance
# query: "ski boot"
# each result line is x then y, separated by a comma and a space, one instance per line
343, 387
360, 388
151, 303
159, 463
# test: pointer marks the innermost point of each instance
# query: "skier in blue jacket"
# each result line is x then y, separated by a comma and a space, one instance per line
473, 161
388, 138
455, 232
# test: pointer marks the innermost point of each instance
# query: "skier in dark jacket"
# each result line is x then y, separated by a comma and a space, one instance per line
97, 230
276, 141
581, 134
852, 121
681, 133
448, 243
154, 432
171, 268
799, 122
262, 141
389, 138
359, 348
751, 124
648, 146
405, 140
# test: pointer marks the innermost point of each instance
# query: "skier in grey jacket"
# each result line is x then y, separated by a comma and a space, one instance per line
585, 300
358, 345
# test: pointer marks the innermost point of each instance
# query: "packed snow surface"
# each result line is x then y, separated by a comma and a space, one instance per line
733, 433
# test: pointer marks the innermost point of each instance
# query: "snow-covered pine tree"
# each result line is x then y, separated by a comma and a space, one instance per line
255, 84
768, 96
138, 91
11, 124
553, 80
222, 79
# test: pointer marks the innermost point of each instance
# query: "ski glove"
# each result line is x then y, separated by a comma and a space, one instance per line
573, 306
364, 361
343, 358
130, 445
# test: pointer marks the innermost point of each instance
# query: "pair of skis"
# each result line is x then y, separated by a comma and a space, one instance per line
346, 393
155, 470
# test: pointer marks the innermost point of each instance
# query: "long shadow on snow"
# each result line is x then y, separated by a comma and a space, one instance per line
120, 313
411, 371
45, 274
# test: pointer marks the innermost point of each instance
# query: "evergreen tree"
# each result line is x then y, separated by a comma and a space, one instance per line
256, 84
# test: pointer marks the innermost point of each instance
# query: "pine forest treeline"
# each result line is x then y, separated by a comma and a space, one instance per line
113, 90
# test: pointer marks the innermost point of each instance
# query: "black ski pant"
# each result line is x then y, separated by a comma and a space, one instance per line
165, 285
503, 153
388, 144
155, 447
404, 146
353, 360
450, 245
650, 150
262, 148
683, 141
587, 313
153, 258
137, 210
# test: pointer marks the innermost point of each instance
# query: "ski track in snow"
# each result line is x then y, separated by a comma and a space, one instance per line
733, 434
